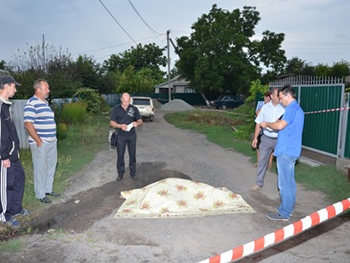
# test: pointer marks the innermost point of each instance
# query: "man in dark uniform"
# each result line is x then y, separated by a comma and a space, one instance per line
12, 176
126, 118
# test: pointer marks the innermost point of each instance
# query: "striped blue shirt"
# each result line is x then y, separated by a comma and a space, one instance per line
43, 118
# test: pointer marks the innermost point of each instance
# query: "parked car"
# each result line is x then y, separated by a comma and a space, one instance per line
228, 101
145, 106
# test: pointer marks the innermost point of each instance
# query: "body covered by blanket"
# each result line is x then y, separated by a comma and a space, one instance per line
174, 197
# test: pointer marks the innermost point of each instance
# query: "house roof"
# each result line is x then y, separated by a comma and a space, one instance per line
175, 81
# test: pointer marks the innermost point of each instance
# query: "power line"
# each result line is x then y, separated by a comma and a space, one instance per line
133, 7
123, 44
118, 22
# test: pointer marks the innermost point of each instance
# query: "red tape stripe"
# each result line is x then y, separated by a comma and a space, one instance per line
281, 234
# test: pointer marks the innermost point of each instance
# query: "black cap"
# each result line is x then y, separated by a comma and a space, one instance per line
7, 79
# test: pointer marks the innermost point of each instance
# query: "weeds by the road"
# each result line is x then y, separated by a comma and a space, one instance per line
78, 148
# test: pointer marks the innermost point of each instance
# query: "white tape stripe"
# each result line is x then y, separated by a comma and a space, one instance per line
226, 256
269, 239
248, 248
338, 208
288, 231
323, 214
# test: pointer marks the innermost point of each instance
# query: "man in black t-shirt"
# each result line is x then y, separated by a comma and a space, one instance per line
126, 118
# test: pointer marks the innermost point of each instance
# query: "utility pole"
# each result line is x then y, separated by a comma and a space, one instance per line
168, 47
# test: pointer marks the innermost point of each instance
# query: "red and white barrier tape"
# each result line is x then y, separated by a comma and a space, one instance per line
281, 234
329, 110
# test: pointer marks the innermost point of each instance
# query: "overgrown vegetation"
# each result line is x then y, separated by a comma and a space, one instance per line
82, 140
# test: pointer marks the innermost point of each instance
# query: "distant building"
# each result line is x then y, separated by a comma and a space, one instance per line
177, 85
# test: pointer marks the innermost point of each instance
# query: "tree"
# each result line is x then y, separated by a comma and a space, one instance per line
220, 56
2, 64
340, 69
133, 81
322, 70
87, 71
294, 66
148, 56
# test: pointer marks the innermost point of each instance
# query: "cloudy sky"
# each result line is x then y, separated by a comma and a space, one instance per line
317, 31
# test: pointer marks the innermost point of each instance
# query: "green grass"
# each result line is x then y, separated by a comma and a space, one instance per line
79, 148
13, 245
217, 126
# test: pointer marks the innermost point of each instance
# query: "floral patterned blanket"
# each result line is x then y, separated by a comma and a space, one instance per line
174, 197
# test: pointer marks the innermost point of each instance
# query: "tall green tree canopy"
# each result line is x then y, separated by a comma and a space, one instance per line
220, 54
147, 56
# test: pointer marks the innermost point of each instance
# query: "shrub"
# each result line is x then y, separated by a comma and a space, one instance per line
93, 99
62, 131
73, 112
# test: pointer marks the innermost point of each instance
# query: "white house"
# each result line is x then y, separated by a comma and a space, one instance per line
177, 85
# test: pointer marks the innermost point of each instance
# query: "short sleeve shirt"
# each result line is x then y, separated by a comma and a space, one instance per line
120, 116
290, 138
270, 113
43, 118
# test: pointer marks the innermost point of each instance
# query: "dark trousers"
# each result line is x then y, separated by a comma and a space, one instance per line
122, 142
14, 189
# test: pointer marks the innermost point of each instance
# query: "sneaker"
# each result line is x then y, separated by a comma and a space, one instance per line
120, 176
24, 212
133, 176
255, 188
53, 194
274, 216
45, 200
276, 209
13, 222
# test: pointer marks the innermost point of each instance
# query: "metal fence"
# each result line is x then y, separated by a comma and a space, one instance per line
18, 118
324, 101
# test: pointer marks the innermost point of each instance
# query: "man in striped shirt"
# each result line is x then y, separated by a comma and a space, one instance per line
39, 120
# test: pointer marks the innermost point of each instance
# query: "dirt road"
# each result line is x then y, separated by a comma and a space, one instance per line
80, 227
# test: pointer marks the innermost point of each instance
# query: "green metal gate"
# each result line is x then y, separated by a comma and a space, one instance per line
322, 100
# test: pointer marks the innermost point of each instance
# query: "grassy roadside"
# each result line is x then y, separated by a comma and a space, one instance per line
83, 142
231, 129
80, 146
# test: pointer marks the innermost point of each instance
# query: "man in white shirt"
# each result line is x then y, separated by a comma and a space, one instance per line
270, 112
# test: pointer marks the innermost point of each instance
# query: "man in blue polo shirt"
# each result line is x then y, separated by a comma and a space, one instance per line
287, 151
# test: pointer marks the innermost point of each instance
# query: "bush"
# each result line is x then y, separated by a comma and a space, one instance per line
93, 99
73, 112
62, 131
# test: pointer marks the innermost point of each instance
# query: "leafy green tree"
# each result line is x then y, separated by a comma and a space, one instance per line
220, 56
147, 56
132, 81
87, 71
295, 66
322, 70
340, 69
2, 64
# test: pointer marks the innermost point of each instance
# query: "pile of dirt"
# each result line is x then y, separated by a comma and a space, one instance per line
177, 105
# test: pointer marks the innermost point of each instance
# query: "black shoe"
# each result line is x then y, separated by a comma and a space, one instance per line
119, 177
53, 194
45, 200
133, 176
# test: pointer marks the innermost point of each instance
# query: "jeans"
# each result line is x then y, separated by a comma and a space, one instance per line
286, 184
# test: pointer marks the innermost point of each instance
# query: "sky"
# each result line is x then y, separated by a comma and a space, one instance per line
316, 31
